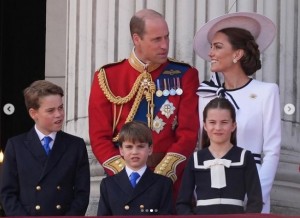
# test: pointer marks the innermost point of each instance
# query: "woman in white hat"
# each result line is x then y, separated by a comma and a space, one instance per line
232, 43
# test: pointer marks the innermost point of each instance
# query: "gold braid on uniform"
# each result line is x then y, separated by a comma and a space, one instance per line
143, 86
115, 164
167, 166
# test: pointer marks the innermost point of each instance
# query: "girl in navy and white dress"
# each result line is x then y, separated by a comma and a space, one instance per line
221, 174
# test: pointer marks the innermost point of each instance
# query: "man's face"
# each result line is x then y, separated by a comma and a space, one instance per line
49, 116
153, 47
135, 154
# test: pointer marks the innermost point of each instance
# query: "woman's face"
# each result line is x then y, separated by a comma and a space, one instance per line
221, 53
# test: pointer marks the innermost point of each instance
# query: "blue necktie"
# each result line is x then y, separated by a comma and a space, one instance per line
133, 177
46, 145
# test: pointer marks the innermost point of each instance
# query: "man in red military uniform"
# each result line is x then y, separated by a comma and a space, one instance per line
150, 87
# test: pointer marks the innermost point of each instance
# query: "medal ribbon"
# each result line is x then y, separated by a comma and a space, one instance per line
159, 101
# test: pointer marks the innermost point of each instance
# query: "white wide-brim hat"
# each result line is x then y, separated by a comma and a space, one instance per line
261, 27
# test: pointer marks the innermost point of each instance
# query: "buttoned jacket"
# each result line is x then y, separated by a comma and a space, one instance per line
151, 196
35, 184
175, 125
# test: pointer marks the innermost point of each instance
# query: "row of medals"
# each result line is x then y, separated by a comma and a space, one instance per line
170, 86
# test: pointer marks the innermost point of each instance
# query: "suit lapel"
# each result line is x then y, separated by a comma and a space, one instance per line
123, 182
145, 182
58, 149
34, 146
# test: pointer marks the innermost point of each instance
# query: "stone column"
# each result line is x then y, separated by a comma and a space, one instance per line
81, 56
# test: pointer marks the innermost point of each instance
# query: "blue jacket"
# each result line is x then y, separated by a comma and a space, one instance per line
35, 184
151, 196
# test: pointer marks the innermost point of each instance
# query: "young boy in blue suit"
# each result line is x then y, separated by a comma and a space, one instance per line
51, 181
150, 193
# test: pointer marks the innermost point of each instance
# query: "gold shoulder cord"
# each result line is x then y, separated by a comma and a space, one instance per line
142, 86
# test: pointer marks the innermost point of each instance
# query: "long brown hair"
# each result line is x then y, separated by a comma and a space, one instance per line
218, 103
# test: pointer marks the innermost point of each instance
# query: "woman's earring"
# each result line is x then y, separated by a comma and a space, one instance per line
234, 61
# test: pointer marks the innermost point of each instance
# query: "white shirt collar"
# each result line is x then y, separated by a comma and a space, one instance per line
140, 171
42, 135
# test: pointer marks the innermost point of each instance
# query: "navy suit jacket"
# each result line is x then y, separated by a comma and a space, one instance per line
35, 184
151, 196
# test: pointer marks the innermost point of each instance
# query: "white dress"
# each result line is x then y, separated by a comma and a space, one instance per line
258, 123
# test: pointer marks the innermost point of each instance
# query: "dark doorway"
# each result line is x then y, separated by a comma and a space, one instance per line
22, 60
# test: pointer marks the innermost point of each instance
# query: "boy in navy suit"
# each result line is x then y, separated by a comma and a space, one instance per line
146, 194
50, 181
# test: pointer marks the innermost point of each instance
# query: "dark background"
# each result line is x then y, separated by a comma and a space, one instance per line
22, 59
